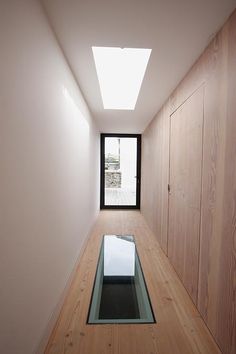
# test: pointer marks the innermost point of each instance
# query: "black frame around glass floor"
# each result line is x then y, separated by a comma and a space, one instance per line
102, 170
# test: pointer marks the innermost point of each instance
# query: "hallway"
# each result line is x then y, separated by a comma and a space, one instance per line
74, 75
179, 328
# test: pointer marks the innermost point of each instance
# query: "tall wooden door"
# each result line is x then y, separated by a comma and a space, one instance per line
185, 190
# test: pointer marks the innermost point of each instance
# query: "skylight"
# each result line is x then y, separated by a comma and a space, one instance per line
120, 74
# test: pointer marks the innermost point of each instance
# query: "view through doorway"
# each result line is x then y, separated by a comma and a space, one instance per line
120, 170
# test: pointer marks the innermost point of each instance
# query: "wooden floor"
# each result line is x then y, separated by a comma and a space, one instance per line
179, 328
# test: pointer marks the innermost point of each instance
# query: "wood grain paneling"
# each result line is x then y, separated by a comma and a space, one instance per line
212, 186
155, 174
217, 273
179, 328
216, 68
228, 255
185, 190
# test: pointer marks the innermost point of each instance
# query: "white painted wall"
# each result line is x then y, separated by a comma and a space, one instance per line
49, 149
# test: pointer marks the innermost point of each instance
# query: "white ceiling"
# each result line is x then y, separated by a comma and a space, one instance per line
176, 30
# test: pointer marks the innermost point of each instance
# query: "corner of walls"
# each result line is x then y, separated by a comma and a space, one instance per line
53, 318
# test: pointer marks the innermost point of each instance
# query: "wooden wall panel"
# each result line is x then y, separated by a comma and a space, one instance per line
216, 68
155, 174
227, 339
217, 273
212, 186
185, 190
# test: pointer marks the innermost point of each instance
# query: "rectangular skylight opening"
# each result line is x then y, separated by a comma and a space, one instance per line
120, 75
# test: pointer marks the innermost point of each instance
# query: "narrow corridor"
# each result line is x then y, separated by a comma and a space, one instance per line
179, 328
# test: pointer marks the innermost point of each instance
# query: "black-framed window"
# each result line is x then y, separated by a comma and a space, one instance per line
120, 171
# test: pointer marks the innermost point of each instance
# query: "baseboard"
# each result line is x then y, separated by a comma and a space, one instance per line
56, 312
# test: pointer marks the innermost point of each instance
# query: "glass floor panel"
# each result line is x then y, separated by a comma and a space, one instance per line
119, 293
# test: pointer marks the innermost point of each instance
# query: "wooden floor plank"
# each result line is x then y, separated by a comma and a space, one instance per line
179, 328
